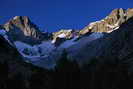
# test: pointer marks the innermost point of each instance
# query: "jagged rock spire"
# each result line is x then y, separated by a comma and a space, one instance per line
21, 28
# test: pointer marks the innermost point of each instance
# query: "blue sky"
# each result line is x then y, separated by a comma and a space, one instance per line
52, 15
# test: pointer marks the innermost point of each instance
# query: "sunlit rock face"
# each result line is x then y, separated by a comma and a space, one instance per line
114, 47
21, 28
110, 23
63, 35
24, 24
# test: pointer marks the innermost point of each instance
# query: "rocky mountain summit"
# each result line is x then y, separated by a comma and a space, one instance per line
36, 46
109, 23
21, 28
99, 56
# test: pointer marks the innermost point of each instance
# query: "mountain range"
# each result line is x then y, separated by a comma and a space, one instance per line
101, 50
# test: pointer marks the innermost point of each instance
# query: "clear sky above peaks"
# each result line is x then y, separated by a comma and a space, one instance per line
52, 15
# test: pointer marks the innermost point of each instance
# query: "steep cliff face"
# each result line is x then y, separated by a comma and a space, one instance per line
63, 35
22, 29
110, 23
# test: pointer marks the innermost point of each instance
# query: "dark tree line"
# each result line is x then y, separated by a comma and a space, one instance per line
68, 75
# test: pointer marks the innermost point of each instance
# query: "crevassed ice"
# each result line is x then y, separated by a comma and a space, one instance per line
36, 51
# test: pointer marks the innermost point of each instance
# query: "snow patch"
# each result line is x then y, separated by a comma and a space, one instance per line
63, 35
68, 43
21, 46
96, 35
46, 47
113, 27
34, 52
83, 40
53, 41
3, 33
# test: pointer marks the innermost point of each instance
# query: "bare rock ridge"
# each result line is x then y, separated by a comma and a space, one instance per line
23, 22
62, 35
111, 22
117, 44
21, 28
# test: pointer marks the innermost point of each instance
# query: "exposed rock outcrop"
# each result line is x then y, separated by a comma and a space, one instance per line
22, 29
110, 23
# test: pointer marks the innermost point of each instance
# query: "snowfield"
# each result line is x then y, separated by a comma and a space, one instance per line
46, 54
3, 33
35, 51
68, 43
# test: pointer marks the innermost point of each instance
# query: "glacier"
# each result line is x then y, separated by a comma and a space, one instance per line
46, 54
